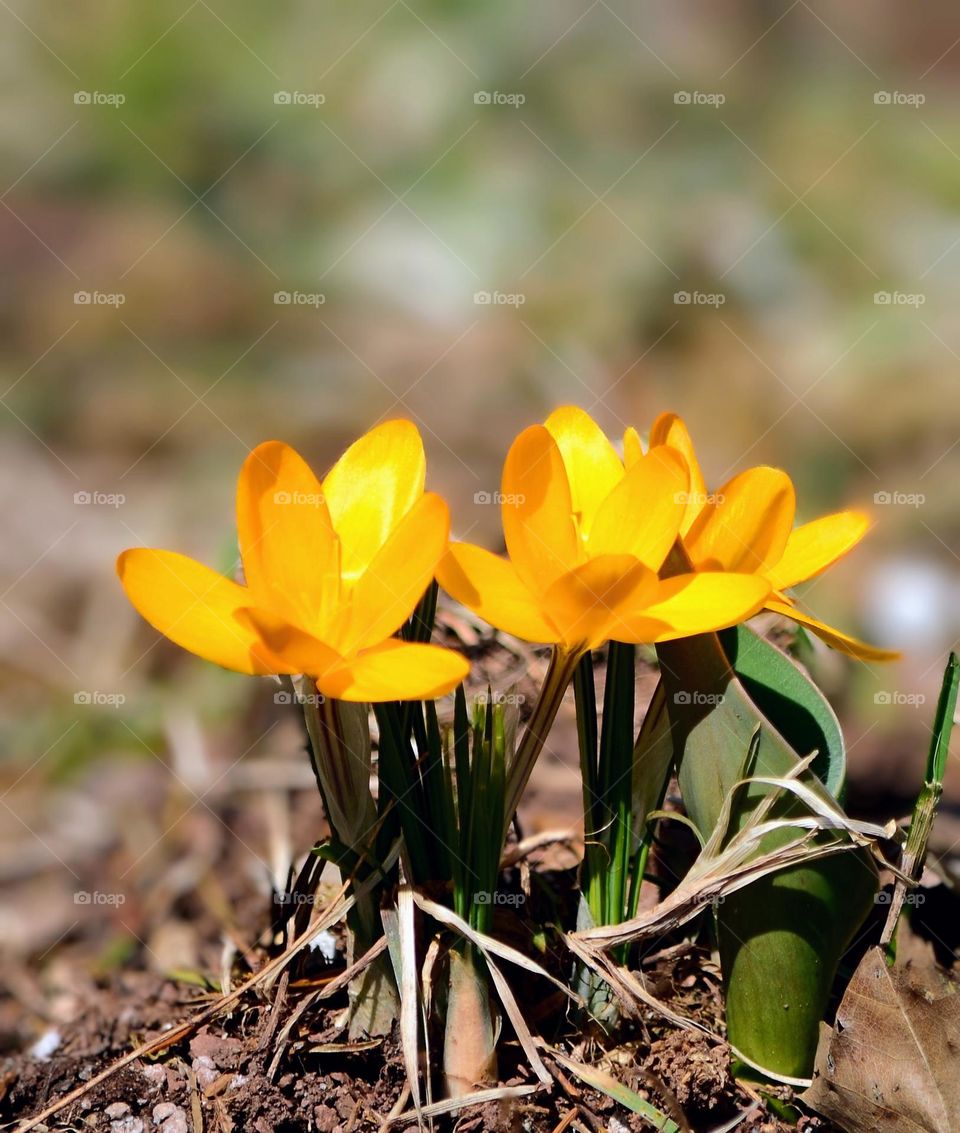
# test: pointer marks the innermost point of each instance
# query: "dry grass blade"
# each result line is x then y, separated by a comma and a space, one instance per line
605, 1083
453, 1105
410, 1005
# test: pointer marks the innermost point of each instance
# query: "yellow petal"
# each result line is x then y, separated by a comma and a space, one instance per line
746, 525
840, 641
385, 595
396, 670
688, 604
492, 588
641, 516
632, 447
294, 650
371, 488
669, 429
814, 546
598, 599
536, 510
195, 607
287, 543
593, 467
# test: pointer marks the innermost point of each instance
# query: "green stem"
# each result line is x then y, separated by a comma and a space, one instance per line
561, 668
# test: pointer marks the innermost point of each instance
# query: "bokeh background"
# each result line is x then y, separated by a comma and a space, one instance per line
225, 223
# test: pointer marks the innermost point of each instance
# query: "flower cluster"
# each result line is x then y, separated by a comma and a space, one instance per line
600, 547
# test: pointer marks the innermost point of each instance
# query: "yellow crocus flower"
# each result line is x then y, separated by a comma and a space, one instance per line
332, 570
586, 538
747, 526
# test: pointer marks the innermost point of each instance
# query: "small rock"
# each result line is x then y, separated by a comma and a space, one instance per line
116, 1110
325, 1119
205, 1070
128, 1124
170, 1118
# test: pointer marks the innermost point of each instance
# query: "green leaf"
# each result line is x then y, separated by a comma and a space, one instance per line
790, 701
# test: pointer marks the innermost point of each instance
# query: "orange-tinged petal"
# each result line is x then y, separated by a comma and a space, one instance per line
287, 543
814, 546
632, 447
396, 670
746, 525
195, 607
641, 516
593, 467
536, 510
371, 488
836, 638
688, 604
294, 650
598, 599
385, 595
492, 588
669, 429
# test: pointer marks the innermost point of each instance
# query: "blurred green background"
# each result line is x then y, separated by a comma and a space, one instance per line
224, 223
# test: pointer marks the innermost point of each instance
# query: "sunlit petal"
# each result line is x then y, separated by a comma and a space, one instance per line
287, 543
536, 509
632, 447
371, 487
492, 588
814, 546
395, 670
593, 467
295, 650
836, 638
746, 525
669, 429
698, 603
194, 606
597, 601
641, 516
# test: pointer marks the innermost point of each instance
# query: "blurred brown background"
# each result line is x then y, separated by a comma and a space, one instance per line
224, 223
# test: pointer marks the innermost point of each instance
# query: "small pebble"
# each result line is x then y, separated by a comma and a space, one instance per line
115, 1110
45, 1045
170, 1118
205, 1070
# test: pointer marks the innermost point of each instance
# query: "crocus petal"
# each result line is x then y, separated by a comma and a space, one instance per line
746, 525
669, 429
593, 467
641, 516
632, 447
814, 546
836, 638
492, 588
698, 603
385, 595
597, 600
371, 487
287, 543
195, 607
536, 510
396, 670
294, 650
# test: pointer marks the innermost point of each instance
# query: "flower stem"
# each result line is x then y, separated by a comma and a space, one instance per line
561, 668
